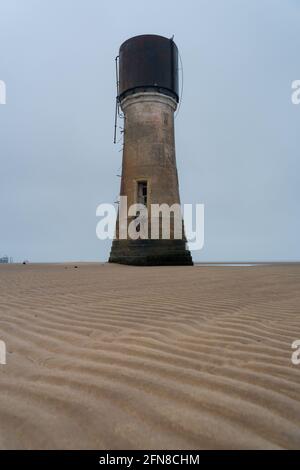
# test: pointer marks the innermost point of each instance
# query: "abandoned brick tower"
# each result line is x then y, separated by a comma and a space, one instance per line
148, 97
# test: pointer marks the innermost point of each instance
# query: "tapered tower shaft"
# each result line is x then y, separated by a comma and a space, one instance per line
148, 98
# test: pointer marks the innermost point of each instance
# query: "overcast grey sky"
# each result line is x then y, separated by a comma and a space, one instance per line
237, 133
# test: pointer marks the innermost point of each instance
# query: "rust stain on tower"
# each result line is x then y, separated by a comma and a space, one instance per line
148, 96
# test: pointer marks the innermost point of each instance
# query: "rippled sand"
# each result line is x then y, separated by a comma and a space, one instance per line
107, 356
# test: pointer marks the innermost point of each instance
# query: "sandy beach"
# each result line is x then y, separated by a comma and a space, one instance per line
114, 357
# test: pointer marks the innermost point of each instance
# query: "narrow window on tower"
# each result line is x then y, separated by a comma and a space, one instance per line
142, 192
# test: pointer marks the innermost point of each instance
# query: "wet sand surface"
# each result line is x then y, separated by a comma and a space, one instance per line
114, 357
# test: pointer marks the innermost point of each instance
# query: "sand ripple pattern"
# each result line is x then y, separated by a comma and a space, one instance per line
113, 357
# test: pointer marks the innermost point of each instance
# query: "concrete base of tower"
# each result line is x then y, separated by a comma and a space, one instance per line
150, 253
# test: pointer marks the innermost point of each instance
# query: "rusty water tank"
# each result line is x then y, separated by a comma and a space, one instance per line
148, 63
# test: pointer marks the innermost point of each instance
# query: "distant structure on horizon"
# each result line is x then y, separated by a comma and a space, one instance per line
6, 260
147, 82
